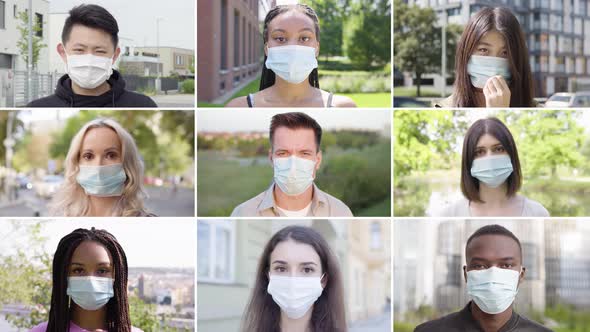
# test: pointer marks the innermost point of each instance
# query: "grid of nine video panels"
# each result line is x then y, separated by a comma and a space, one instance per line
354, 173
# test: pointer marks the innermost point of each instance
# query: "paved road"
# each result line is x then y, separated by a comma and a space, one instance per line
162, 201
174, 100
380, 323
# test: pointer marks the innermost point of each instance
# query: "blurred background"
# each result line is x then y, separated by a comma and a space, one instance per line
160, 256
426, 34
229, 251
232, 153
36, 144
157, 49
553, 148
428, 270
355, 49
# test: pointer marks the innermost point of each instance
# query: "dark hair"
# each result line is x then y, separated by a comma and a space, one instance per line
503, 21
295, 120
117, 308
494, 127
263, 314
493, 230
92, 16
268, 77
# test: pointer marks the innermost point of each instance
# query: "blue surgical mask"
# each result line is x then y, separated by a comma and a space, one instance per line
90, 293
102, 181
493, 289
481, 68
493, 170
293, 63
293, 174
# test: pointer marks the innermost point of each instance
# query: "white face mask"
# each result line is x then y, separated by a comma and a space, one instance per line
480, 68
493, 289
87, 70
293, 63
492, 170
90, 293
293, 174
295, 295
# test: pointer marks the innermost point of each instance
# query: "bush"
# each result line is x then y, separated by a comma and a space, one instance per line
364, 83
188, 86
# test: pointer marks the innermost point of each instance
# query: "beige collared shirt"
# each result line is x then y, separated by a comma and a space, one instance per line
264, 205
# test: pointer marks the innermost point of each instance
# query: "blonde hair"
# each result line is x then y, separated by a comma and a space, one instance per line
71, 200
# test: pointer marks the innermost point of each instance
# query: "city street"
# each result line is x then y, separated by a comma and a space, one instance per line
174, 100
379, 323
161, 201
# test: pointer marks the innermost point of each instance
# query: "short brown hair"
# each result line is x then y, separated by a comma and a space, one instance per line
492, 126
501, 20
295, 120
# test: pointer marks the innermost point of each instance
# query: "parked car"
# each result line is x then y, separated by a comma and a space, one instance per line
48, 185
569, 99
24, 182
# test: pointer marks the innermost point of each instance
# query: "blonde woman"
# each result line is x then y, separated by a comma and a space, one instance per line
103, 174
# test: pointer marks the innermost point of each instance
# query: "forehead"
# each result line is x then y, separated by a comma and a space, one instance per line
101, 137
487, 140
493, 38
294, 252
91, 252
292, 21
81, 34
492, 247
297, 139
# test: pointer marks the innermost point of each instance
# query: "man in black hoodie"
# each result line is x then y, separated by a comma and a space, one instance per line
89, 48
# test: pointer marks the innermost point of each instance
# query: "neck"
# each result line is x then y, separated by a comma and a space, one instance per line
102, 206
89, 320
296, 325
493, 197
290, 93
292, 203
99, 90
489, 322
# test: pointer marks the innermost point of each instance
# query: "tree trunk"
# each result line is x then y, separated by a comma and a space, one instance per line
418, 82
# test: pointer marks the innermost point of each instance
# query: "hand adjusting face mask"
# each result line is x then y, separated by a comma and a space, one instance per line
88, 71
481, 68
292, 63
295, 295
493, 289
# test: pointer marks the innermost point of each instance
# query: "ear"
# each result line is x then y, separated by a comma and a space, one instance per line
317, 50
270, 156
522, 275
266, 49
61, 50
465, 272
324, 281
319, 161
116, 55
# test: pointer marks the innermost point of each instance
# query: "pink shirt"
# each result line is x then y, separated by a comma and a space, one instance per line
73, 328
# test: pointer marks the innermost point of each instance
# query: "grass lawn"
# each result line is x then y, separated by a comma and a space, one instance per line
402, 91
380, 99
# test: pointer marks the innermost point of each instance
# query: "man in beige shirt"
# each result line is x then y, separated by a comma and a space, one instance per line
295, 155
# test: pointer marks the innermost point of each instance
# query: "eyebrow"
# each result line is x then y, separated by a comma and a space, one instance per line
99, 264
510, 258
107, 149
493, 146
283, 262
488, 44
283, 30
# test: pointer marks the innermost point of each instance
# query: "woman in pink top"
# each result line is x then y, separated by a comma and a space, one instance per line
89, 285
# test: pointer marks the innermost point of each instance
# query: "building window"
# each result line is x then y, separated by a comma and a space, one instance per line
223, 34
39, 23
2, 14
531, 257
216, 250
5, 61
15, 11
244, 41
376, 235
236, 39
179, 60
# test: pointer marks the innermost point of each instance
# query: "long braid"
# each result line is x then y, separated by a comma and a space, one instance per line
117, 308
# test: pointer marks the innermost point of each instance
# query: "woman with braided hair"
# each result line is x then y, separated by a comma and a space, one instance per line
289, 77
89, 291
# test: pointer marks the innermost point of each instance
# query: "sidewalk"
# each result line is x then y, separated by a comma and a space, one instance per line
174, 100
379, 323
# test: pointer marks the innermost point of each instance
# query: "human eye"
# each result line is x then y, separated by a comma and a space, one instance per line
482, 51
87, 156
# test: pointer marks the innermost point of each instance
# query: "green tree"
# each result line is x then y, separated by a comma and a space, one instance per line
421, 137
546, 140
23, 42
330, 13
417, 43
367, 36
